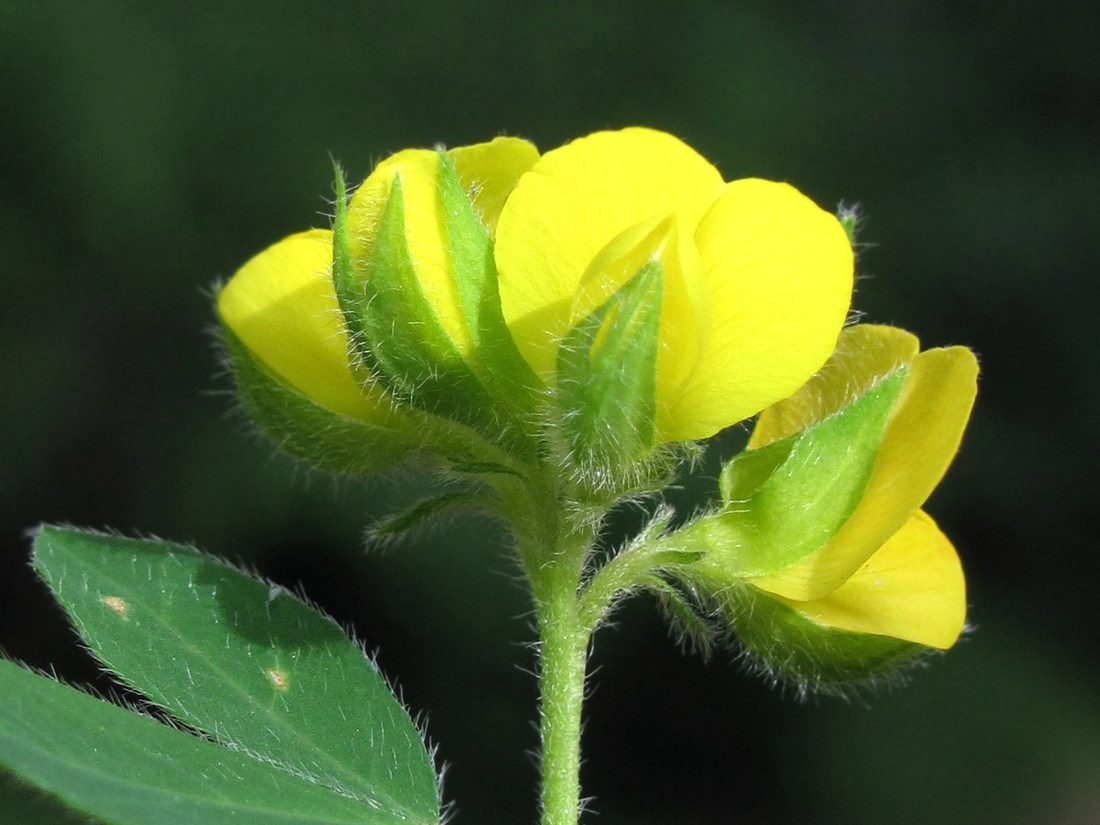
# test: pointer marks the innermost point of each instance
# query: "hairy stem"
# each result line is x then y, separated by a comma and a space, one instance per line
564, 656
563, 649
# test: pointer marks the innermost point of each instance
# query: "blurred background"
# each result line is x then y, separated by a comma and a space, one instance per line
147, 150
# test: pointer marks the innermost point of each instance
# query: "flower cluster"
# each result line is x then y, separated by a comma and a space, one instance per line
588, 310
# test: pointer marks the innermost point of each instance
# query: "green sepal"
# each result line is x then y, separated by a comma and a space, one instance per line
319, 437
690, 626
607, 384
505, 374
466, 467
783, 501
789, 647
425, 513
851, 219
394, 330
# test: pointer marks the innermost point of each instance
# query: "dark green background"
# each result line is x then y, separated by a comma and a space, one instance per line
146, 150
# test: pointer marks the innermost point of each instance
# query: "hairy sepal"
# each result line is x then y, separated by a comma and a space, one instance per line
394, 331
606, 388
786, 500
306, 431
508, 378
790, 649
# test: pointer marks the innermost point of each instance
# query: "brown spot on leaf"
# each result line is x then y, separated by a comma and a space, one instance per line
116, 605
278, 679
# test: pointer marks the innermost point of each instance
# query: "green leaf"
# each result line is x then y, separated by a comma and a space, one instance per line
246, 662
306, 431
787, 499
394, 328
23, 802
129, 769
607, 381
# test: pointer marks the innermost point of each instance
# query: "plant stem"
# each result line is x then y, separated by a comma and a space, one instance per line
564, 647
563, 655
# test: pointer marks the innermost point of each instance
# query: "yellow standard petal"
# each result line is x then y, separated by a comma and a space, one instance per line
912, 588
489, 172
920, 441
778, 270
574, 202
282, 306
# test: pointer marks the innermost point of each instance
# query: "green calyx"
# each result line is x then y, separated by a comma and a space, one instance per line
392, 326
790, 648
308, 432
495, 359
396, 335
606, 385
785, 500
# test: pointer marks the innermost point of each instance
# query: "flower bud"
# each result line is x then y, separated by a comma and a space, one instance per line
820, 558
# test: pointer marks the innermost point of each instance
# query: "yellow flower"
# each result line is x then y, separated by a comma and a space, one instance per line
451, 280
888, 570
757, 279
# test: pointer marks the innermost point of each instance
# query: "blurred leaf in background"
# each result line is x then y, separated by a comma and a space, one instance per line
146, 151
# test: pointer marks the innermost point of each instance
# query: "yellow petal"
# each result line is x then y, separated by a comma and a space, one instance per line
282, 306
490, 171
865, 354
779, 273
573, 202
912, 589
920, 441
